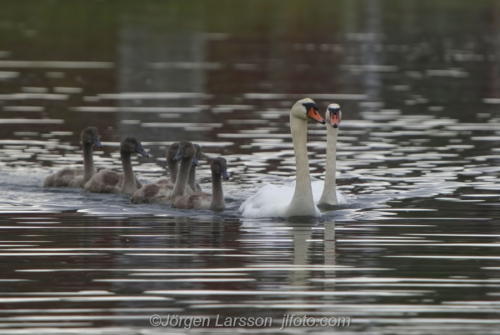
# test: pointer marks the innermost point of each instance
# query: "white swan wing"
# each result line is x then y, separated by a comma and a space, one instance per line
269, 201
317, 188
340, 198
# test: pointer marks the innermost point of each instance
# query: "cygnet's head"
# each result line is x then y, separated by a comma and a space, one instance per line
305, 109
131, 145
172, 151
197, 157
333, 115
186, 150
90, 136
219, 167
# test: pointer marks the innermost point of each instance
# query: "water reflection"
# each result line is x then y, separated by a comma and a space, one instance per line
415, 250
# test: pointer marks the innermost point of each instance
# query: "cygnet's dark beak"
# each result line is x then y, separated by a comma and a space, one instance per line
224, 175
196, 162
141, 151
97, 142
180, 154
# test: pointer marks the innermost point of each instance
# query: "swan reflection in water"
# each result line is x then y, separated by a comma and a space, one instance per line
302, 238
300, 272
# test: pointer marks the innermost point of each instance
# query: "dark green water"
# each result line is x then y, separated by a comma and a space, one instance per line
416, 251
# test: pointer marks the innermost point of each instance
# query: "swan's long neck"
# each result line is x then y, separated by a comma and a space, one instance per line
182, 177
192, 178
172, 168
329, 196
218, 203
129, 184
302, 203
88, 162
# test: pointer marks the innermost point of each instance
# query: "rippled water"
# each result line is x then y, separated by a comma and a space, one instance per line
416, 250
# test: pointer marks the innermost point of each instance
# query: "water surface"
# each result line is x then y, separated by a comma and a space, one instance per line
416, 251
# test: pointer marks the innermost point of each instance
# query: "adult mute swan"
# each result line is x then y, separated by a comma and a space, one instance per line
330, 195
68, 177
274, 201
325, 191
107, 181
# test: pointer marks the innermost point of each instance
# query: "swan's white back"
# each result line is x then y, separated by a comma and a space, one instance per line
318, 187
272, 200
269, 200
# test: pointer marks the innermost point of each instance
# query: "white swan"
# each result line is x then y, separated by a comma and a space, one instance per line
324, 191
274, 201
330, 195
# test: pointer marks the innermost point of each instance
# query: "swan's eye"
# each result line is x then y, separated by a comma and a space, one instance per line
309, 105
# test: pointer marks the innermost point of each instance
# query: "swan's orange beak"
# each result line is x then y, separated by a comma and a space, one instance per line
313, 114
334, 120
